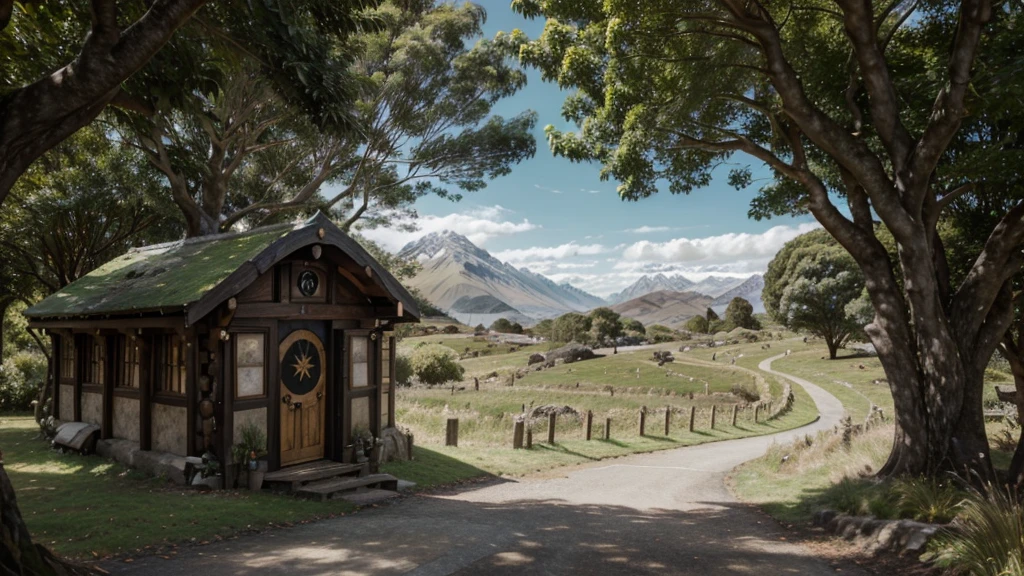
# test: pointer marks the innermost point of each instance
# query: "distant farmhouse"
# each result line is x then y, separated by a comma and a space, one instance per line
172, 348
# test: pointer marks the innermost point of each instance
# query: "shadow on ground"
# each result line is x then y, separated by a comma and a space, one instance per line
429, 535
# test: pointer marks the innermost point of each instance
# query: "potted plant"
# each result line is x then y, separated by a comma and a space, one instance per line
247, 452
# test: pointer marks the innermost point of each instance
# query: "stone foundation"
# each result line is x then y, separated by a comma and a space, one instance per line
170, 466
169, 429
126, 418
92, 408
67, 403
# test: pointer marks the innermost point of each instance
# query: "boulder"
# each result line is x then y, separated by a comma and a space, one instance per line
571, 352
394, 445
535, 359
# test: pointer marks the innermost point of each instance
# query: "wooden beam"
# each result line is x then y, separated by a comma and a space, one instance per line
110, 361
116, 324
304, 311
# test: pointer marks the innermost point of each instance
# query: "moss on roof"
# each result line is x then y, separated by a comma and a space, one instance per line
163, 277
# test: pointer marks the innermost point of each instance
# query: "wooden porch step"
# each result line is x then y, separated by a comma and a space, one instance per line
325, 489
295, 477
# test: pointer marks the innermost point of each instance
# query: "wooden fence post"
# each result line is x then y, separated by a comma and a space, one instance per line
517, 434
693, 416
607, 428
713, 408
451, 437
643, 419
757, 408
529, 438
668, 416
551, 428
590, 422
734, 407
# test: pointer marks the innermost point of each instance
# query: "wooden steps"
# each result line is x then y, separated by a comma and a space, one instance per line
295, 477
324, 490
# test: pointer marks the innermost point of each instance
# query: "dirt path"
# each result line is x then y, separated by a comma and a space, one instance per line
662, 513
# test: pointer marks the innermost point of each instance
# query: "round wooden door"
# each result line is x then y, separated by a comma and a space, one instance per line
303, 378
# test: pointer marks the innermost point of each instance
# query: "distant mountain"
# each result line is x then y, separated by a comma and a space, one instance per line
714, 287
456, 270
647, 284
485, 304
664, 307
749, 290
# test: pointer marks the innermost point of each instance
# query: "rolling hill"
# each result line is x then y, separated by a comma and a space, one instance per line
665, 307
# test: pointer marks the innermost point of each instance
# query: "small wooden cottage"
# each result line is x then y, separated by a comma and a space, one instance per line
175, 346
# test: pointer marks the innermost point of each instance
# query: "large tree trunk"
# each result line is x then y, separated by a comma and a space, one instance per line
18, 554
37, 117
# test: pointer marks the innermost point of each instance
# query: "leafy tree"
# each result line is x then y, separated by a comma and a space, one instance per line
658, 334
503, 325
480, 328
711, 316
879, 136
740, 314
516, 328
606, 324
572, 327
809, 285
435, 364
819, 282
63, 64
240, 154
698, 325
544, 328
633, 327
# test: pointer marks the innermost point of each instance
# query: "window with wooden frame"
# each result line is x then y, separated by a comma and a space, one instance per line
250, 365
359, 361
67, 357
386, 352
95, 360
129, 377
172, 365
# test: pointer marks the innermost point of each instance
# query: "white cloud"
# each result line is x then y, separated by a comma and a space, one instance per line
647, 229
478, 224
535, 253
589, 191
546, 189
716, 249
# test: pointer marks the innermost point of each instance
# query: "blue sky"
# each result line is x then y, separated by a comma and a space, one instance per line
560, 219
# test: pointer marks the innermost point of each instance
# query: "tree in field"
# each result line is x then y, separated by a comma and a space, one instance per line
435, 364
740, 314
543, 328
503, 325
633, 327
606, 324
665, 91
698, 325
235, 152
711, 316
809, 286
572, 327
658, 334
63, 64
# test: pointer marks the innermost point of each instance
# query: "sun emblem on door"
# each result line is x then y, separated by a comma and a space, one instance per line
302, 366
302, 362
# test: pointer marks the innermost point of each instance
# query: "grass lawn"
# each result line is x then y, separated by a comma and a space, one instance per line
794, 481
85, 506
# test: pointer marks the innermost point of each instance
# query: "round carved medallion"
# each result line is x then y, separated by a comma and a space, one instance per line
309, 282
302, 362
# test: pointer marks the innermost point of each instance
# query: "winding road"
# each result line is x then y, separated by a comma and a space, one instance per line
667, 512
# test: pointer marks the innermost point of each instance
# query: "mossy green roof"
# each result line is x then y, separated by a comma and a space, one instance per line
165, 277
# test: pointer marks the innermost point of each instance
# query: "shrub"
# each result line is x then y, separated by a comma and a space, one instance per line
21, 375
988, 536
450, 329
436, 364
927, 499
403, 370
